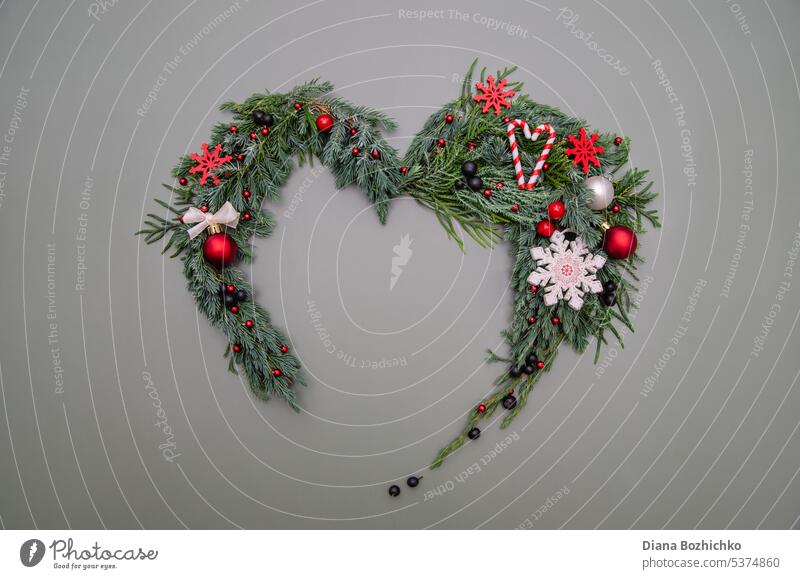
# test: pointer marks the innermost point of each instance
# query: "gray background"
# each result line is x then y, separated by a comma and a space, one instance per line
713, 444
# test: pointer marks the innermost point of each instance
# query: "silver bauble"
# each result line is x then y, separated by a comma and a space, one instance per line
602, 192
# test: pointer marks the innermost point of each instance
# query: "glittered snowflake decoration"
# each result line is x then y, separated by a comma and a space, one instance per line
494, 95
207, 162
566, 270
584, 150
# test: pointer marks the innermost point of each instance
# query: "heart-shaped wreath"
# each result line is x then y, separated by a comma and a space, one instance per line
465, 164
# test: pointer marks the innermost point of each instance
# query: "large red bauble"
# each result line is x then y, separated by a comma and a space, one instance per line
556, 210
220, 250
324, 123
619, 242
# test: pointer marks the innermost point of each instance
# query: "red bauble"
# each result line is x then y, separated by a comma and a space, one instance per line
233, 128
298, 106
284, 348
441, 142
515, 207
353, 131
324, 123
534, 289
487, 192
545, 228
556, 210
265, 131
183, 181
220, 249
448, 118
253, 136
540, 364
532, 319
246, 217
472, 146
276, 372
249, 323
404, 169
376, 154
355, 151
246, 194
555, 320
481, 408
237, 348
618, 141
619, 242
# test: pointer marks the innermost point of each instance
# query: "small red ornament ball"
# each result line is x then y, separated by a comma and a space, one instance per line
230, 288
546, 166
499, 184
204, 208
619, 242
220, 249
265, 131
246, 194
555, 320
376, 154
277, 372
618, 141
249, 323
515, 207
246, 216
441, 142
615, 208
448, 118
556, 210
506, 120
253, 136
183, 181
233, 128
234, 309
237, 348
298, 106
545, 228
324, 123
284, 348
404, 169
534, 289
240, 157
532, 319
481, 408
354, 131
540, 364
487, 193
355, 151
472, 146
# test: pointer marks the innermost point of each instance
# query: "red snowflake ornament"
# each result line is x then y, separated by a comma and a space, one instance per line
208, 161
494, 95
584, 150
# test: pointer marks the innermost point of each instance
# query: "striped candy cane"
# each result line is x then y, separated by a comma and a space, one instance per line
532, 135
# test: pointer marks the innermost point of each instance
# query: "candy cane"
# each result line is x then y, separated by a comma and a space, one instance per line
532, 135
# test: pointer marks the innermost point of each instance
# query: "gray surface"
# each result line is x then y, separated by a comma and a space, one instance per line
714, 444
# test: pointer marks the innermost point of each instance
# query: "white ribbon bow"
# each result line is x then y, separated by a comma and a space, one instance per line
226, 215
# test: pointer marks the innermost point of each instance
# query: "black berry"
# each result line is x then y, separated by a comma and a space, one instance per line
394, 490
475, 183
474, 433
412, 481
515, 372
469, 168
509, 401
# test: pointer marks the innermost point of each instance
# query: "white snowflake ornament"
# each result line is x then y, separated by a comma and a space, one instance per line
566, 270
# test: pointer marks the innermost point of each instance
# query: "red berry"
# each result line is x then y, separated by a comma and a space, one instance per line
545, 228
324, 123
534, 289
354, 131
441, 142
297, 106
487, 193
284, 348
546, 166
376, 154
472, 146
356, 151
249, 323
246, 216
556, 210
234, 310
240, 157
204, 208
183, 181
253, 136
615, 208
180, 218
540, 364
230, 288
448, 118
233, 128
618, 141
237, 348
555, 320
246, 194
506, 120
481, 408
404, 169
265, 131
515, 207
500, 185
277, 372
532, 319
